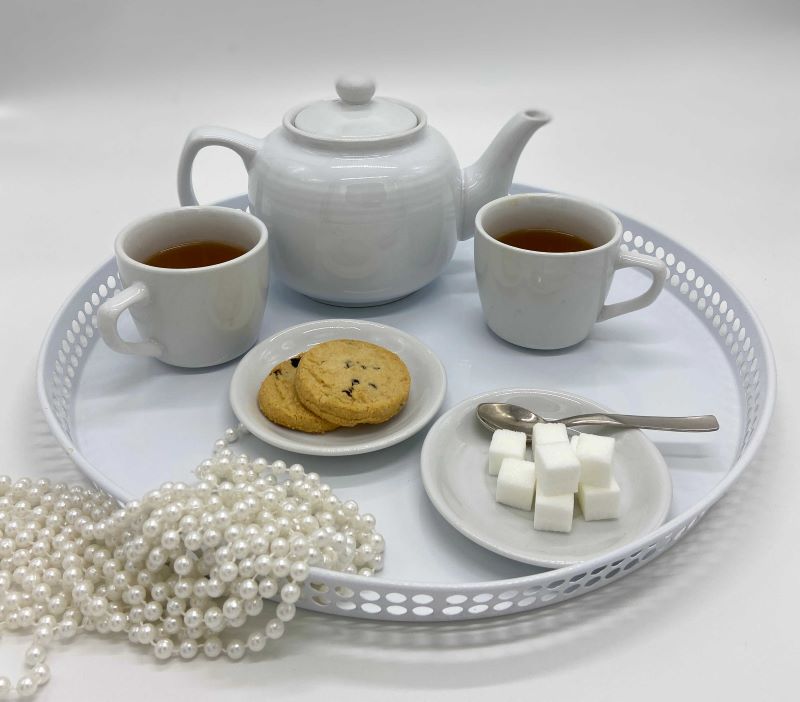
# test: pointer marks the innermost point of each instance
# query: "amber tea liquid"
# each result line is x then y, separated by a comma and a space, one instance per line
545, 240
194, 254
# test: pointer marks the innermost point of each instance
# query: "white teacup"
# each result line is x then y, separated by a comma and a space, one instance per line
551, 300
190, 317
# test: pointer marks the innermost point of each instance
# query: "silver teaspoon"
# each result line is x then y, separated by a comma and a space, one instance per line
500, 415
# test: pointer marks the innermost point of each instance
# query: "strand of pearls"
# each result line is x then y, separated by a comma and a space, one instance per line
177, 568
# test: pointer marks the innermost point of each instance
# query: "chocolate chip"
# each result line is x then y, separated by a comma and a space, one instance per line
295, 361
373, 386
277, 372
348, 392
355, 381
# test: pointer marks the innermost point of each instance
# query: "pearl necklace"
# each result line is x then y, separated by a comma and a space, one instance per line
176, 568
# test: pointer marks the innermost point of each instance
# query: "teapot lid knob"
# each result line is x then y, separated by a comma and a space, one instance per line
355, 90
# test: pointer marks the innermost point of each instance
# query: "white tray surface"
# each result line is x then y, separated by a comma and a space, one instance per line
141, 422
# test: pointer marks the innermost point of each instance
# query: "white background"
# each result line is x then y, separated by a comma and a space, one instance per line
681, 114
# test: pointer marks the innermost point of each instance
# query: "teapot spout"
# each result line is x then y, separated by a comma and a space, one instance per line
491, 175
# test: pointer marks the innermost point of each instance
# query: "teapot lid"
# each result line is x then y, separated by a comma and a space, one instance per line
356, 114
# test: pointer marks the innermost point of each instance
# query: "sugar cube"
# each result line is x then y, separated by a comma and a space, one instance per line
505, 444
599, 502
557, 469
595, 454
516, 482
544, 433
573, 442
553, 512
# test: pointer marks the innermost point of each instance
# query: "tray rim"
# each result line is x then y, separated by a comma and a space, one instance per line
686, 519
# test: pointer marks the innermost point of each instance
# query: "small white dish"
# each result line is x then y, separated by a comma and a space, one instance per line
428, 385
458, 484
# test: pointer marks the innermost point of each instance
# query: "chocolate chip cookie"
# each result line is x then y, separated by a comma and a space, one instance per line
278, 401
351, 382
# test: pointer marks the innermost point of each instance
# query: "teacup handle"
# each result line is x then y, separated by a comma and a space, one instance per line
244, 145
108, 314
630, 259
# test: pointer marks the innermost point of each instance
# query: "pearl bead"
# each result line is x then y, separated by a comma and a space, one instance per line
256, 641
43, 634
35, 655
228, 572
281, 567
274, 628
97, 606
163, 649
41, 673
235, 649
152, 611
67, 629
212, 647
248, 589
183, 589
213, 617
193, 540
26, 686
267, 588
193, 618
182, 565
215, 587
117, 621
175, 607
263, 565
247, 568
290, 593
147, 634
253, 607
299, 571
232, 608
5, 686
188, 649
285, 611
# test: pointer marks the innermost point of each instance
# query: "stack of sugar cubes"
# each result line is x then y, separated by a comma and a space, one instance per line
560, 469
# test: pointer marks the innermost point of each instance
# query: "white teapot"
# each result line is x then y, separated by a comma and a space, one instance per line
364, 202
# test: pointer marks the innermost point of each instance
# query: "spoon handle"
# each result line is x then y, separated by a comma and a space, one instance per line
706, 422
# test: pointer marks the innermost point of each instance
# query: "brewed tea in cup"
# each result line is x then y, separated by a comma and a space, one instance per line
544, 264
195, 281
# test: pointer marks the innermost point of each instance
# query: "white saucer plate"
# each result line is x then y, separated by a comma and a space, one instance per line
455, 476
428, 385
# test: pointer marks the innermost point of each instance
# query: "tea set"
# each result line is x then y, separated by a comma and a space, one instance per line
358, 202
364, 201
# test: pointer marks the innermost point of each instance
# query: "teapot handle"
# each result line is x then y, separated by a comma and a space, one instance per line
243, 144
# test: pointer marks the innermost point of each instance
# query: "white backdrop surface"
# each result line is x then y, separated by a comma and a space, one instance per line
682, 114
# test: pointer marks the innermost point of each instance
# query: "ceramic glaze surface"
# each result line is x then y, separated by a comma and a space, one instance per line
545, 300
364, 200
428, 386
191, 317
454, 472
383, 228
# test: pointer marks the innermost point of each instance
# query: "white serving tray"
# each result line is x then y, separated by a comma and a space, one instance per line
132, 423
